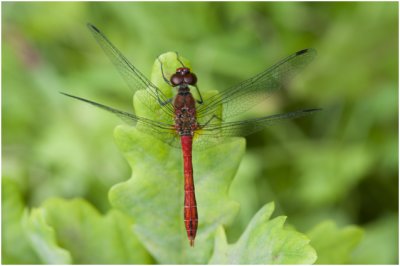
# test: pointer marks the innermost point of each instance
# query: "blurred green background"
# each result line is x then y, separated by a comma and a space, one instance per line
340, 164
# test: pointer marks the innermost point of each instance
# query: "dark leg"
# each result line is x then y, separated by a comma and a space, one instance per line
166, 102
162, 72
212, 118
177, 58
167, 81
201, 98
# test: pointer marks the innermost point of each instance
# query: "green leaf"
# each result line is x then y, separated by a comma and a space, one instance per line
381, 242
15, 246
64, 231
264, 241
334, 245
43, 239
153, 195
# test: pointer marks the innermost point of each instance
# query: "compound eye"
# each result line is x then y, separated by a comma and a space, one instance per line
176, 79
190, 79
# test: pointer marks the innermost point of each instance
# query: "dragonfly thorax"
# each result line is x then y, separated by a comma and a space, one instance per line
185, 115
183, 76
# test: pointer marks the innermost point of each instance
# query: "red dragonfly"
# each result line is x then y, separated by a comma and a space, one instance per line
200, 122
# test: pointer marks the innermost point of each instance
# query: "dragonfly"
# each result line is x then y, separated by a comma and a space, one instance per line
196, 123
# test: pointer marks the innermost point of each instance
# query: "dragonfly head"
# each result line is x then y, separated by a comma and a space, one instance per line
183, 76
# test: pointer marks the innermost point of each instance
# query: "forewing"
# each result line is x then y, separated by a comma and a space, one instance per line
135, 79
249, 93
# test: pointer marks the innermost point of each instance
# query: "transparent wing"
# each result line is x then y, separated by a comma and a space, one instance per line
134, 78
246, 127
162, 131
250, 92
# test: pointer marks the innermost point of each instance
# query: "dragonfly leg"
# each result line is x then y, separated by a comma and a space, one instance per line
201, 98
209, 120
164, 103
162, 72
167, 81
177, 58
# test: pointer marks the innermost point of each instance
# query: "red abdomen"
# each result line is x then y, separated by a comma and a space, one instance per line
190, 207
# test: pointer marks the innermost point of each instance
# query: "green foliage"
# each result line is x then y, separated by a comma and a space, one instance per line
43, 239
333, 245
339, 165
377, 246
64, 232
265, 241
15, 248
